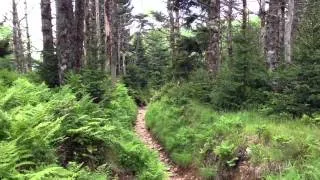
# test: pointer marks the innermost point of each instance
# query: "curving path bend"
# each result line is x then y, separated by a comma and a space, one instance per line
175, 173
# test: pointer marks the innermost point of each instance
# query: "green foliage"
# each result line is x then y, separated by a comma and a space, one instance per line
242, 82
298, 86
188, 58
93, 82
5, 126
264, 134
225, 150
149, 64
48, 70
7, 77
5, 58
41, 128
184, 159
157, 54
23, 93
122, 108
195, 135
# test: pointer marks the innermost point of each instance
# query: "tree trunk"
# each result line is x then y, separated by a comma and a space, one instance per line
282, 29
170, 8
110, 35
262, 15
176, 23
91, 38
17, 40
64, 11
288, 33
213, 53
50, 62
273, 23
230, 27
100, 33
244, 16
114, 45
29, 58
124, 64
79, 34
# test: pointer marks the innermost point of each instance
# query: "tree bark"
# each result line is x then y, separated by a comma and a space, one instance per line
91, 38
262, 15
288, 32
64, 11
50, 62
273, 23
213, 53
101, 56
110, 11
244, 16
29, 58
230, 27
17, 40
79, 34
170, 8
282, 27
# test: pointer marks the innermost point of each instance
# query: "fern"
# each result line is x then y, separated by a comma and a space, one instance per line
12, 158
51, 172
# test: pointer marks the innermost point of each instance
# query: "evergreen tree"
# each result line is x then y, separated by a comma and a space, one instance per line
299, 85
243, 81
157, 54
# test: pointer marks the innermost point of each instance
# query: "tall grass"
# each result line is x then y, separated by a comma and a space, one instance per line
196, 136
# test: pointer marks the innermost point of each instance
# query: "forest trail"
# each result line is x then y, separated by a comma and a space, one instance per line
175, 173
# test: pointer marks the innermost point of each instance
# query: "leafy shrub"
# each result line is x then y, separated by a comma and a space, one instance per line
122, 107
93, 82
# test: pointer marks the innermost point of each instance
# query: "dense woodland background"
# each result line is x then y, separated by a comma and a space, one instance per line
230, 94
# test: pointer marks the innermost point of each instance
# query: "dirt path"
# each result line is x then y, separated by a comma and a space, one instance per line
175, 172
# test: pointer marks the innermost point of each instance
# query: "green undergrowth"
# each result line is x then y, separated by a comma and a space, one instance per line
53, 134
216, 143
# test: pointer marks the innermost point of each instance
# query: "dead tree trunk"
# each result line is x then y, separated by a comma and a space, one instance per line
29, 58
17, 40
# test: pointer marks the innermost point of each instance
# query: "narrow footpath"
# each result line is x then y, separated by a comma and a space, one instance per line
175, 173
